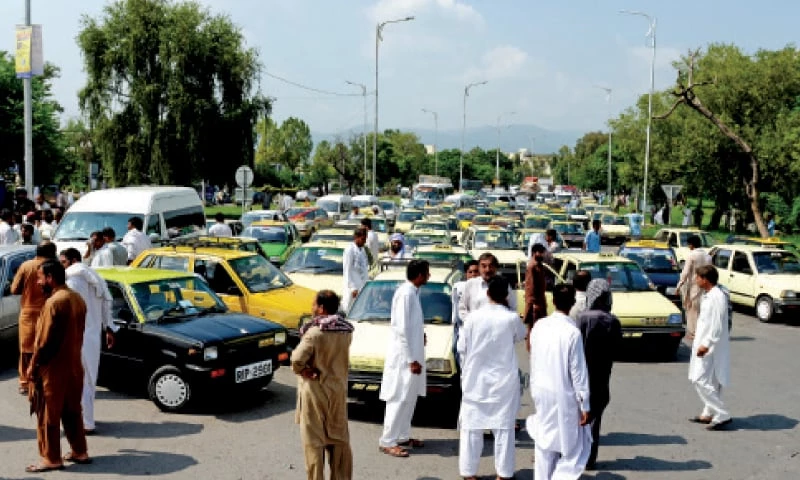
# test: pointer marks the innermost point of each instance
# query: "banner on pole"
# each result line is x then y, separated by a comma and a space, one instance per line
29, 58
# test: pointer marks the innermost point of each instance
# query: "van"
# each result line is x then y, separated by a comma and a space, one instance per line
166, 212
365, 201
337, 205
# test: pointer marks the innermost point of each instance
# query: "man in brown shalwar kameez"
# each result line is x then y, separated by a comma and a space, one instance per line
56, 373
321, 361
30, 304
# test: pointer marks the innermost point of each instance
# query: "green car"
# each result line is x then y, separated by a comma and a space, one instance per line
278, 239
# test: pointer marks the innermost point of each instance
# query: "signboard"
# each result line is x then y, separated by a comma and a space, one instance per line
671, 191
244, 176
28, 57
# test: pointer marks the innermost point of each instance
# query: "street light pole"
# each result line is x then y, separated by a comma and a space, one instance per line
27, 95
463, 131
364, 94
608, 101
378, 38
497, 153
435, 140
652, 34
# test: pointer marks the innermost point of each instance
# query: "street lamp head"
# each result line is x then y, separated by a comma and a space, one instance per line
408, 19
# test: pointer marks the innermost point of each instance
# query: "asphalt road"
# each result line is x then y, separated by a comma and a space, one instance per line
645, 430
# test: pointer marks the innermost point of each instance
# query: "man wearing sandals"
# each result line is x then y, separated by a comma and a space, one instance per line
404, 368
55, 372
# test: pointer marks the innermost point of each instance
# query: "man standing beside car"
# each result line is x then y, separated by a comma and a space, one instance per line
355, 268
321, 361
691, 292
135, 240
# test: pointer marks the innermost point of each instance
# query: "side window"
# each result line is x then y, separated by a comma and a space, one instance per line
741, 264
118, 301
154, 225
289, 234
184, 221
214, 272
147, 262
570, 272
673, 240
178, 264
722, 259
11, 265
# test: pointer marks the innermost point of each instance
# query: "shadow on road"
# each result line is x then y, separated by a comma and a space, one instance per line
425, 415
765, 422
742, 338
147, 430
630, 439
650, 464
275, 400
604, 476
14, 434
136, 463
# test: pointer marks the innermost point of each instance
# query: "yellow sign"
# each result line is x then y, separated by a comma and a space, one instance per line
29, 60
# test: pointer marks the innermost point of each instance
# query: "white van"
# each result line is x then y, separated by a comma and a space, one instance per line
337, 205
166, 212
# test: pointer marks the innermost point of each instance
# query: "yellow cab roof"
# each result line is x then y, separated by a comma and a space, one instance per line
583, 257
682, 230
181, 250
769, 241
129, 275
646, 244
335, 244
567, 222
488, 228
752, 248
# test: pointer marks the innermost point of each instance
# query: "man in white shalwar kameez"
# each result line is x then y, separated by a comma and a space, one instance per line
560, 390
404, 368
355, 268
489, 382
94, 292
709, 363
473, 295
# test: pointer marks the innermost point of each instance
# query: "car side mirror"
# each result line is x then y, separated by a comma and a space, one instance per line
234, 290
124, 316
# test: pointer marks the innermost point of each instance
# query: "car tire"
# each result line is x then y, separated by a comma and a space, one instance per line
169, 389
765, 309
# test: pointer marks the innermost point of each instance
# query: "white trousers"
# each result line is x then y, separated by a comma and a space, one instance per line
550, 465
710, 392
89, 389
397, 421
470, 448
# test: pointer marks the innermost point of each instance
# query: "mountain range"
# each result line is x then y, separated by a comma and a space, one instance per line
512, 137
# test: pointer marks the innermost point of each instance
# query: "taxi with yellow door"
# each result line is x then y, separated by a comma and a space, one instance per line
406, 218
464, 217
678, 240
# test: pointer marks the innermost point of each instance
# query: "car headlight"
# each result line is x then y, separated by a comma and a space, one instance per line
674, 319
274, 259
210, 353
280, 338
788, 294
671, 291
438, 365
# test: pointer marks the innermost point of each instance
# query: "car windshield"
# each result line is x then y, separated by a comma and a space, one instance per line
776, 262
499, 239
558, 217
409, 216
336, 235
379, 225
465, 215
653, 260
315, 260
328, 205
576, 211
705, 239
623, 277
175, 297
258, 274
614, 220
266, 234
374, 302
427, 237
429, 226
482, 220
568, 228
77, 226
537, 222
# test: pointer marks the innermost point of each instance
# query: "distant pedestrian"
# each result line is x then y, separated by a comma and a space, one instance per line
691, 293
103, 256
220, 228
771, 225
321, 363
591, 243
135, 241
27, 232
397, 250
636, 226
710, 361
355, 268
471, 270
8, 236
373, 244
581, 282
118, 253
687, 216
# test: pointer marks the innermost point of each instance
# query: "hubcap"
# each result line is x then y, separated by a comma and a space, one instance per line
171, 390
763, 309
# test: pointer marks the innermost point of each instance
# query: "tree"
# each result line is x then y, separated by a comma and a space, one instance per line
321, 171
289, 145
170, 93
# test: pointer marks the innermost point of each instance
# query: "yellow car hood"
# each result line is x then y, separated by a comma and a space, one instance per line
284, 305
637, 309
370, 342
503, 256
317, 282
402, 227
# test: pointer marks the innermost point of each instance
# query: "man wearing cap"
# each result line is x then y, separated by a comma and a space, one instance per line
397, 248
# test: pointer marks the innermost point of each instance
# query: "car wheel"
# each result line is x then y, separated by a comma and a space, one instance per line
765, 309
169, 390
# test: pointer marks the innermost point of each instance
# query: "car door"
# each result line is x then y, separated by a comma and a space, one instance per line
221, 281
9, 304
742, 279
128, 349
721, 259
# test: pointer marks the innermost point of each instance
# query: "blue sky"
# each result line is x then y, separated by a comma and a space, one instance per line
541, 59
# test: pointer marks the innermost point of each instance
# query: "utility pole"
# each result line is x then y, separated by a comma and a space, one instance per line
364, 94
608, 101
28, 115
463, 131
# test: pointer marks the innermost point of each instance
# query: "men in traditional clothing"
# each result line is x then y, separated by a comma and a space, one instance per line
321, 361
404, 366
103, 256
7, 234
489, 382
355, 268
581, 282
26, 231
373, 244
220, 228
30, 305
93, 245
397, 248
591, 243
692, 294
560, 390
687, 216
602, 334
710, 360
474, 295
471, 270
118, 252
94, 292
535, 287
135, 241
55, 372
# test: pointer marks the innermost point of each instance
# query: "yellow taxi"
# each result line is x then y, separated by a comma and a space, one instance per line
499, 241
464, 217
245, 281
536, 222
645, 314
615, 229
678, 239
481, 220
776, 242
442, 253
761, 277
318, 265
406, 219
277, 238
572, 232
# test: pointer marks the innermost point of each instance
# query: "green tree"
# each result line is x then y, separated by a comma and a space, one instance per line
170, 92
289, 144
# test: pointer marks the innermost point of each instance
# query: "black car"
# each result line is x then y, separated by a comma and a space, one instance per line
177, 338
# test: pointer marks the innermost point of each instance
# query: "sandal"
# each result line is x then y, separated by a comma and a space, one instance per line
703, 420
412, 443
70, 457
395, 451
43, 468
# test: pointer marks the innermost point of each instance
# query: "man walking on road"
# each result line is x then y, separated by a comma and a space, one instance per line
99, 325
560, 391
489, 382
709, 363
373, 244
30, 305
55, 372
321, 362
355, 268
692, 293
535, 287
404, 367
591, 244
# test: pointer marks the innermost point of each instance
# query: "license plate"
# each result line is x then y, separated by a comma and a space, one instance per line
254, 370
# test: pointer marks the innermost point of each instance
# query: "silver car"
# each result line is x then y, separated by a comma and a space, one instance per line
11, 257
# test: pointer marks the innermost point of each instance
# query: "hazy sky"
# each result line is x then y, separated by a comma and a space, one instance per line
542, 58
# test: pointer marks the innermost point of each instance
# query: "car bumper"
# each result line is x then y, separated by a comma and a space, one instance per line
786, 305
654, 334
365, 385
211, 379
